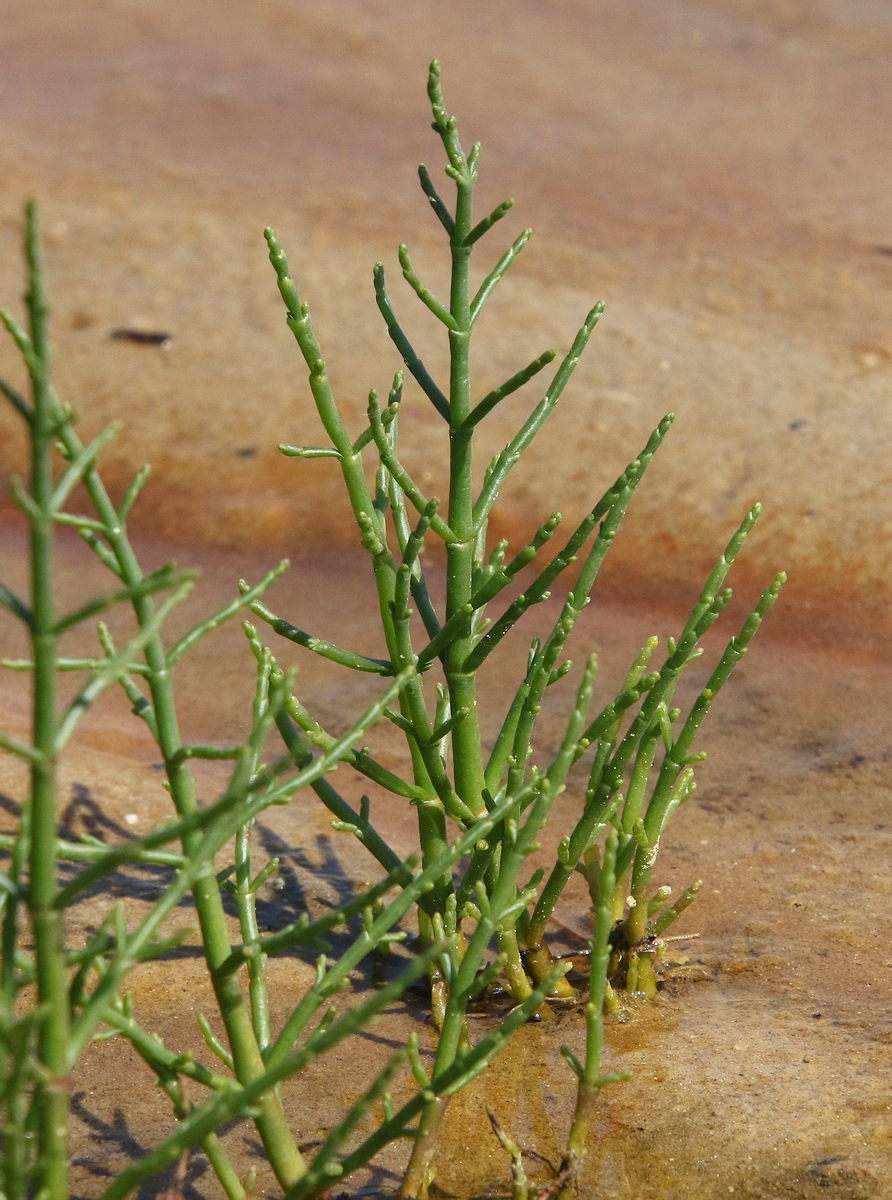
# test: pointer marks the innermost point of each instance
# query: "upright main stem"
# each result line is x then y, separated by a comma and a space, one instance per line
278, 1141
279, 1144
51, 1097
467, 752
48, 421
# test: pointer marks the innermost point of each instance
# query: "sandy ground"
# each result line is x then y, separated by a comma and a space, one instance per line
719, 173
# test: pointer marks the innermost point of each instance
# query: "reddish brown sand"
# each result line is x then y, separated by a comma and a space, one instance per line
720, 174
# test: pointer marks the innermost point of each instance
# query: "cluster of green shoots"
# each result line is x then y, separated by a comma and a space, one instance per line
482, 912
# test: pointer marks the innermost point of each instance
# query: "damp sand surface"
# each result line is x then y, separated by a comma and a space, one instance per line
762, 1070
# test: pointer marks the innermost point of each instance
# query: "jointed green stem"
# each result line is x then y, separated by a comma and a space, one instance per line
52, 991
50, 421
589, 1078
468, 760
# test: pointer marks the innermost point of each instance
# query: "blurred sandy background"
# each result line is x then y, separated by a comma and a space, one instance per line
719, 172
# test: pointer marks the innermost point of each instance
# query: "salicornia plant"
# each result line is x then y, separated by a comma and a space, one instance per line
59, 998
482, 802
630, 759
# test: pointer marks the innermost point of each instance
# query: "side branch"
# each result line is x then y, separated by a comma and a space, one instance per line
487, 223
517, 380
443, 213
440, 311
416, 367
399, 473
337, 654
512, 452
486, 288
